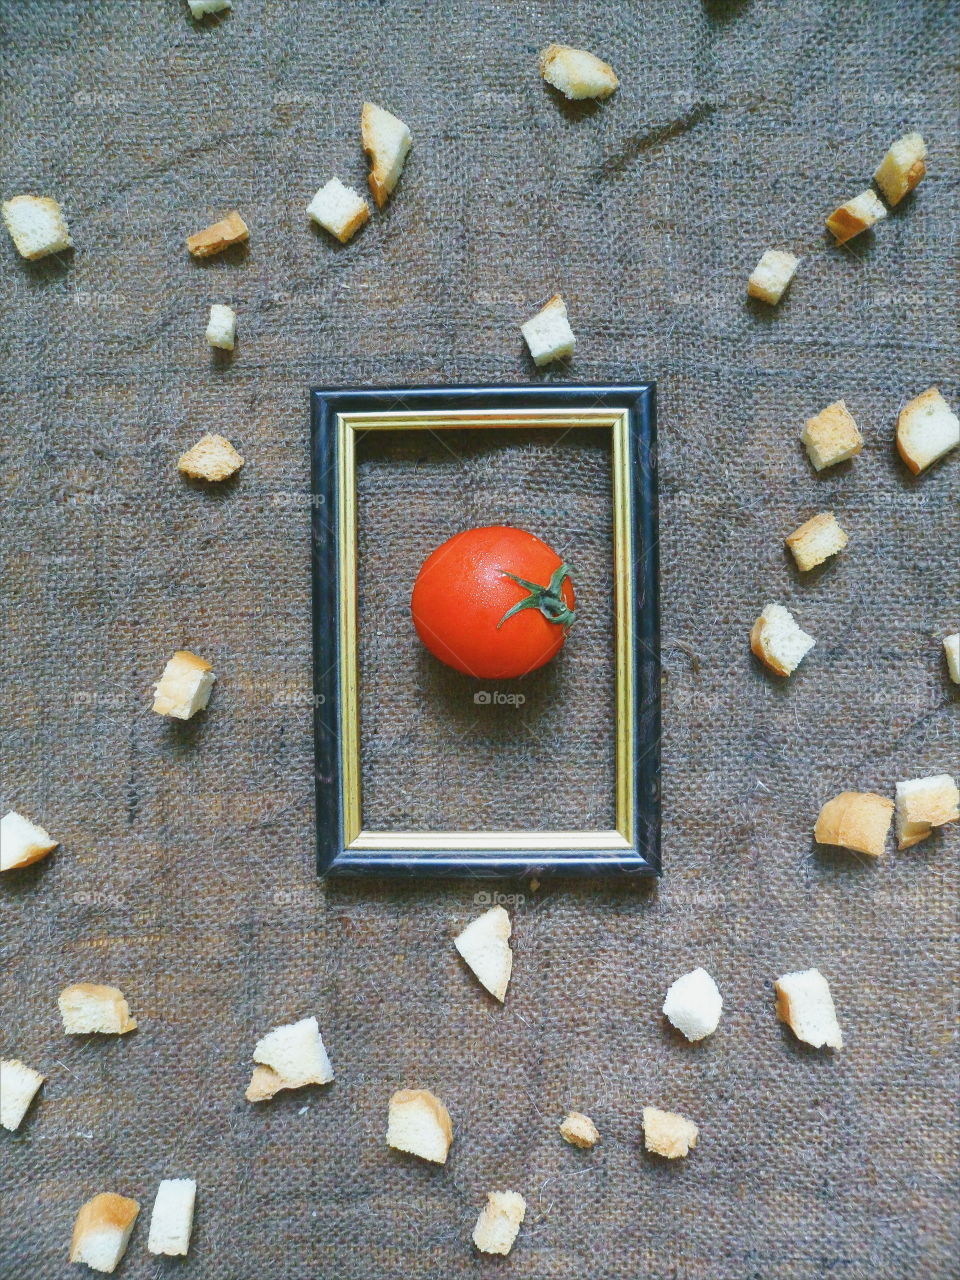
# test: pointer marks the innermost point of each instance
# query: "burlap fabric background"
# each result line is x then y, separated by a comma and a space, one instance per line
186, 869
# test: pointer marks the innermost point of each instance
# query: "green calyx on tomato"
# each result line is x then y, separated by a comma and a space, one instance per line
549, 599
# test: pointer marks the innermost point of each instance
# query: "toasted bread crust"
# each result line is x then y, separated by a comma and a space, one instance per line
218, 236
857, 820
106, 1211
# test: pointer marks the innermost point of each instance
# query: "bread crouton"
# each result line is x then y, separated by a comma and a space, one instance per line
576, 73
925, 803
548, 333
172, 1219
102, 1229
484, 946
36, 225
805, 1004
771, 276
902, 167
579, 1130
816, 540
18, 1087
213, 458
499, 1222
927, 428
857, 820
951, 647
290, 1057
667, 1134
219, 236
857, 215
22, 842
778, 642
386, 140
88, 1007
419, 1123
339, 209
184, 688
694, 1005
200, 8
831, 436
222, 327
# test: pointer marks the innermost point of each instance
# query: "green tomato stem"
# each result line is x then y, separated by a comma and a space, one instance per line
549, 599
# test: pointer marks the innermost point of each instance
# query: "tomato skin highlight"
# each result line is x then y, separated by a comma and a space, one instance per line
463, 591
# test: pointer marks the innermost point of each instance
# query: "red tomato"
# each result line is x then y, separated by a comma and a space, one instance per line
493, 603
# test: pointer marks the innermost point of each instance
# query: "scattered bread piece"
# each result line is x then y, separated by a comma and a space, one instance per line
499, 1222
102, 1229
200, 8
419, 1123
579, 1130
902, 167
386, 140
89, 1007
805, 1004
36, 225
219, 236
576, 73
484, 946
694, 1005
18, 1087
548, 333
771, 276
339, 210
831, 436
857, 820
925, 803
172, 1219
951, 647
222, 327
667, 1134
22, 842
184, 688
927, 428
816, 540
778, 642
294, 1054
855, 216
212, 458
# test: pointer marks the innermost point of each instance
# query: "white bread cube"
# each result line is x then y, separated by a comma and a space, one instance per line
213, 458
694, 1005
172, 1219
579, 1130
778, 642
200, 8
184, 688
831, 436
576, 73
291, 1056
18, 1087
419, 1123
857, 215
665, 1133
222, 327
902, 167
386, 140
499, 1222
37, 226
951, 647
927, 428
218, 236
771, 276
548, 333
857, 820
484, 946
925, 803
88, 1007
805, 1004
22, 842
102, 1229
816, 540
339, 210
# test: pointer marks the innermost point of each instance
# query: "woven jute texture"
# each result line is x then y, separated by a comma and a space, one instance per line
185, 874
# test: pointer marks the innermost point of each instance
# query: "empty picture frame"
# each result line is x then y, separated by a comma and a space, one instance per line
344, 846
